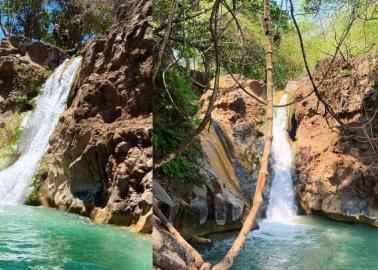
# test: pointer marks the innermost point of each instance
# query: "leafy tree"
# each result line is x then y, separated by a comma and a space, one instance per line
27, 17
36, 18
170, 130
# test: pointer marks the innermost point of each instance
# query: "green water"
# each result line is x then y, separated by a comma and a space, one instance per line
45, 239
308, 243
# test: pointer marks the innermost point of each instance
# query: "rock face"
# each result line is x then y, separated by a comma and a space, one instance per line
167, 252
100, 160
228, 171
338, 169
239, 116
228, 168
24, 66
41, 53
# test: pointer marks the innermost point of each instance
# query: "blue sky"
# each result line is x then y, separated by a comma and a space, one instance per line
1, 32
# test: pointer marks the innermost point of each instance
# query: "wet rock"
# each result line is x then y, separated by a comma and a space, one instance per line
220, 208
227, 169
45, 54
7, 68
38, 52
256, 87
199, 203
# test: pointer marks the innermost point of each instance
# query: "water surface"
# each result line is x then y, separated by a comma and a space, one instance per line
308, 243
37, 238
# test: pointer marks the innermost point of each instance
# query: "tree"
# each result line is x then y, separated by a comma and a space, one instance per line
35, 18
258, 200
27, 17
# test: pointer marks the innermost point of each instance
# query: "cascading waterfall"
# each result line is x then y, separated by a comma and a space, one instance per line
36, 130
282, 204
285, 240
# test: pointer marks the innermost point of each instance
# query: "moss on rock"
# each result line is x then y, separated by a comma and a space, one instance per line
9, 136
35, 197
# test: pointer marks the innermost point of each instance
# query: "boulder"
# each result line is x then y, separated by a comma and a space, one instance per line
256, 87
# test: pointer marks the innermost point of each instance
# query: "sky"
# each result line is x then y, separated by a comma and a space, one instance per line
1, 32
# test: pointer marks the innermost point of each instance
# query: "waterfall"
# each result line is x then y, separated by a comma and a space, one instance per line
282, 204
37, 127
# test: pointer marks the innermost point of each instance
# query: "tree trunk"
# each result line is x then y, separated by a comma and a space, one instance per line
165, 41
253, 214
215, 36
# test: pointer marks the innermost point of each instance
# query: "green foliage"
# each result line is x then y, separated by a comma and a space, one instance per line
20, 99
35, 197
325, 22
321, 22
83, 18
171, 129
346, 73
36, 18
240, 53
27, 17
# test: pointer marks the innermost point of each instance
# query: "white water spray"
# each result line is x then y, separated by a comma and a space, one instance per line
282, 206
36, 130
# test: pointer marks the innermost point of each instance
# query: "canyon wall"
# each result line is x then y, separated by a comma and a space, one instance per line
100, 160
338, 168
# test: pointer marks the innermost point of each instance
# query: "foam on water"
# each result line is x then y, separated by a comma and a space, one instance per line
36, 130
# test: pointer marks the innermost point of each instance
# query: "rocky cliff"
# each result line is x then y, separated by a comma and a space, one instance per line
100, 160
227, 169
338, 168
